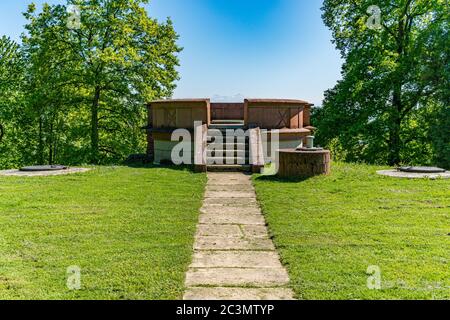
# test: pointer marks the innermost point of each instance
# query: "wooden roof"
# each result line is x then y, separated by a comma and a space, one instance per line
251, 101
178, 101
279, 102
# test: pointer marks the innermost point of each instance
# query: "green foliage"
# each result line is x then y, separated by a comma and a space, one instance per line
11, 99
84, 90
381, 111
440, 136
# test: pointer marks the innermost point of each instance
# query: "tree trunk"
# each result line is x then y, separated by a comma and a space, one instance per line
41, 143
395, 125
94, 126
50, 146
2, 132
397, 103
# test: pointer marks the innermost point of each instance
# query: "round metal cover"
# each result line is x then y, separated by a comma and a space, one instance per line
421, 169
43, 168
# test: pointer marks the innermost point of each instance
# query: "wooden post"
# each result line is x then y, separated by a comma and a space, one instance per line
150, 139
304, 163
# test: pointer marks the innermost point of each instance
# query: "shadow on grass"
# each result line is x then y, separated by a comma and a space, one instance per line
165, 165
275, 178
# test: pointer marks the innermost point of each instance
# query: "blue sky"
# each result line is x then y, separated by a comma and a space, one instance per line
251, 48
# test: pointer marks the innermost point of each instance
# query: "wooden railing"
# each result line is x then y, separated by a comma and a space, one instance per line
277, 114
177, 114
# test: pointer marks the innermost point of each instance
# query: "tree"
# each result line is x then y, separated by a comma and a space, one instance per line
50, 83
11, 80
10, 73
118, 58
439, 70
386, 75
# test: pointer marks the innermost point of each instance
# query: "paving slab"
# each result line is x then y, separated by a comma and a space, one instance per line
221, 243
228, 180
237, 218
236, 259
254, 231
226, 202
218, 183
258, 277
229, 194
219, 230
229, 188
229, 176
224, 210
221, 293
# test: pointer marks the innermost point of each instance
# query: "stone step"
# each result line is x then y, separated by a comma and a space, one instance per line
224, 141
227, 146
224, 128
230, 178
228, 168
221, 153
223, 131
226, 160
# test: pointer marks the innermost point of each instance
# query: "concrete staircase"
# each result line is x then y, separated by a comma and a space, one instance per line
225, 154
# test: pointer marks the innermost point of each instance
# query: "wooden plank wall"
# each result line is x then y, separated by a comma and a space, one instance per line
227, 111
277, 116
179, 114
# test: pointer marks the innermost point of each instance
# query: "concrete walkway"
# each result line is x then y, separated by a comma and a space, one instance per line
234, 259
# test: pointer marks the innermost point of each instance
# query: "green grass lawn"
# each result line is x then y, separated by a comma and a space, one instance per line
130, 230
330, 229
